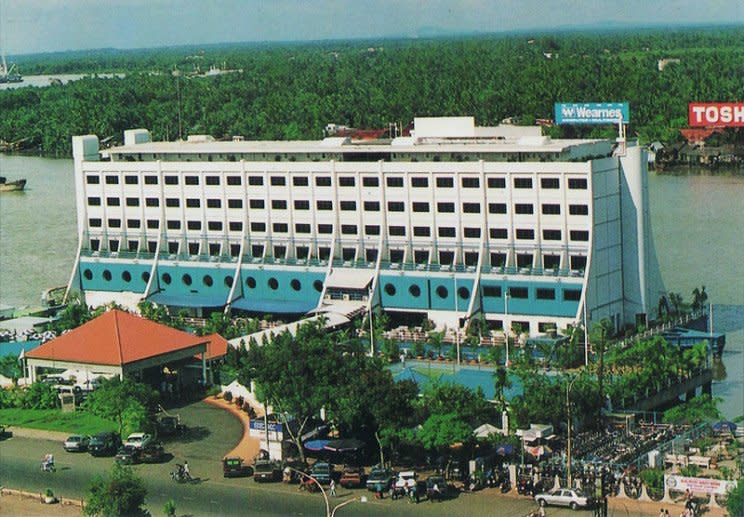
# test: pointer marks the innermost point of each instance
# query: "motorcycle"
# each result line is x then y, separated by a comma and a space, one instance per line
180, 475
505, 486
48, 466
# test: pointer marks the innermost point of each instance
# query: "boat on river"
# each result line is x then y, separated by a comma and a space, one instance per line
11, 186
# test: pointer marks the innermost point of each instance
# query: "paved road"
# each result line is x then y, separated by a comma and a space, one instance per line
212, 433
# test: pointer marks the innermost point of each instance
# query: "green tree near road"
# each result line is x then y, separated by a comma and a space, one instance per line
120, 494
132, 405
735, 500
702, 408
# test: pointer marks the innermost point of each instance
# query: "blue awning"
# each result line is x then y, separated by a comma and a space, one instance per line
187, 301
274, 306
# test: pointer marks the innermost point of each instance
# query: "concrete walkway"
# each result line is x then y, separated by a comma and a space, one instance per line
248, 447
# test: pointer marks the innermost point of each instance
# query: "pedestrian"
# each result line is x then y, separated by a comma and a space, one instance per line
541, 512
186, 472
661, 512
332, 487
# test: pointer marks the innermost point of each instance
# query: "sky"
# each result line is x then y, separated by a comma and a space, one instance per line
31, 26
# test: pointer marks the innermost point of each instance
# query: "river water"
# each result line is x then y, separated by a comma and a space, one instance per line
697, 224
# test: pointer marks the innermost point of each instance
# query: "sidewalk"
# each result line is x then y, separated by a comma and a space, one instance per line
37, 434
248, 447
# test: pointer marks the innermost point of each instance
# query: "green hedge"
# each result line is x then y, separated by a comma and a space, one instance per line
78, 422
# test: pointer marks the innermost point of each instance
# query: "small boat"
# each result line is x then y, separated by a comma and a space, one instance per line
11, 186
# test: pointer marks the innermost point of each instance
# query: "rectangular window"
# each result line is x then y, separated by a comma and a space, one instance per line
346, 181
348, 206
496, 182
549, 183
349, 229
214, 226
420, 206
551, 235
394, 181
193, 203
525, 234
445, 182
193, 248
302, 228
522, 182
371, 206
571, 295
258, 227
172, 202
471, 233
278, 181
191, 180
446, 258
545, 294
524, 260
419, 182
255, 181
171, 180
257, 250
492, 291
133, 223
300, 181
131, 180
92, 180
498, 259
172, 224
370, 181
577, 183
579, 235
193, 225
421, 231
302, 204
578, 209
153, 224
112, 180
214, 203
132, 201
279, 204
551, 209
496, 208
113, 245
212, 180
471, 208
446, 231
518, 292
469, 182
172, 247
578, 262
446, 208
234, 180
324, 204
112, 201
323, 181
325, 228
396, 255
397, 231
499, 233
94, 201
396, 206
152, 201
94, 222
234, 203
151, 180
114, 223
372, 229
256, 204
280, 227
551, 261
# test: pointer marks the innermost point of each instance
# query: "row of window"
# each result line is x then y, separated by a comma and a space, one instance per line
344, 181
492, 291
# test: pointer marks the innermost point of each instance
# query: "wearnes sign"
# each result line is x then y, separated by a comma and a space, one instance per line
729, 114
591, 112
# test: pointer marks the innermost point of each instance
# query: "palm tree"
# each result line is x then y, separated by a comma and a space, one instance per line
699, 297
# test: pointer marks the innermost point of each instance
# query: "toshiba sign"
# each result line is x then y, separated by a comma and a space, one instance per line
704, 114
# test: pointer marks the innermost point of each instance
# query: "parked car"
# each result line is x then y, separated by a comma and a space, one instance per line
437, 488
169, 425
379, 475
352, 477
233, 467
104, 444
138, 440
267, 470
128, 454
152, 453
406, 478
76, 443
323, 472
564, 497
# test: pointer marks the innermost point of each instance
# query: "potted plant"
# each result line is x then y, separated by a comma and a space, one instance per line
49, 497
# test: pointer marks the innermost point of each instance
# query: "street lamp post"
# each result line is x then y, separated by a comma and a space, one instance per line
457, 317
362, 499
568, 442
371, 330
506, 326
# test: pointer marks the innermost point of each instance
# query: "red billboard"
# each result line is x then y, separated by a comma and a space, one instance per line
721, 114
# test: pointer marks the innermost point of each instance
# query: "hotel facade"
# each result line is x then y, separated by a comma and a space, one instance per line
450, 222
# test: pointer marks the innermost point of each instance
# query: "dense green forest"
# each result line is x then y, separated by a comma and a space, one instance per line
283, 91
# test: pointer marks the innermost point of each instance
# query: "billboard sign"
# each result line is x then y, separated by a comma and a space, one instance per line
591, 112
699, 485
721, 114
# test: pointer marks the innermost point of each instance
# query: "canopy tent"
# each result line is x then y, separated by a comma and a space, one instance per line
316, 445
483, 431
345, 445
724, 427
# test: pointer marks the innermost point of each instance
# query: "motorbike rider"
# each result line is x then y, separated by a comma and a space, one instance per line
48, 463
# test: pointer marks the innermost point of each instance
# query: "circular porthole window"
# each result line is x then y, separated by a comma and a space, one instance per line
296, 285
145, 277
88, 274
228, 281
318, 285
250, 282
107, 275
442, 292
126, 276
166, 278
273, 283
463, 292
415, 291
186, 279
390, 289
208, 280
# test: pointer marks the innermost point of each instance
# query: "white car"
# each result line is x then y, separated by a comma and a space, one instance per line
564, 497
405, 479
138, 440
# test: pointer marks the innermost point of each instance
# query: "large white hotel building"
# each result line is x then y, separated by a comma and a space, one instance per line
451, 221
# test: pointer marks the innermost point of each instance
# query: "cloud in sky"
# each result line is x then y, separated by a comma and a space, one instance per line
28, 26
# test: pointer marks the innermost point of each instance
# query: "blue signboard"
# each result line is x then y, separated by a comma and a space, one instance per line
591, 112
258, 425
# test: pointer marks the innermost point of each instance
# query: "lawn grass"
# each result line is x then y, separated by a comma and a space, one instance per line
78, 422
